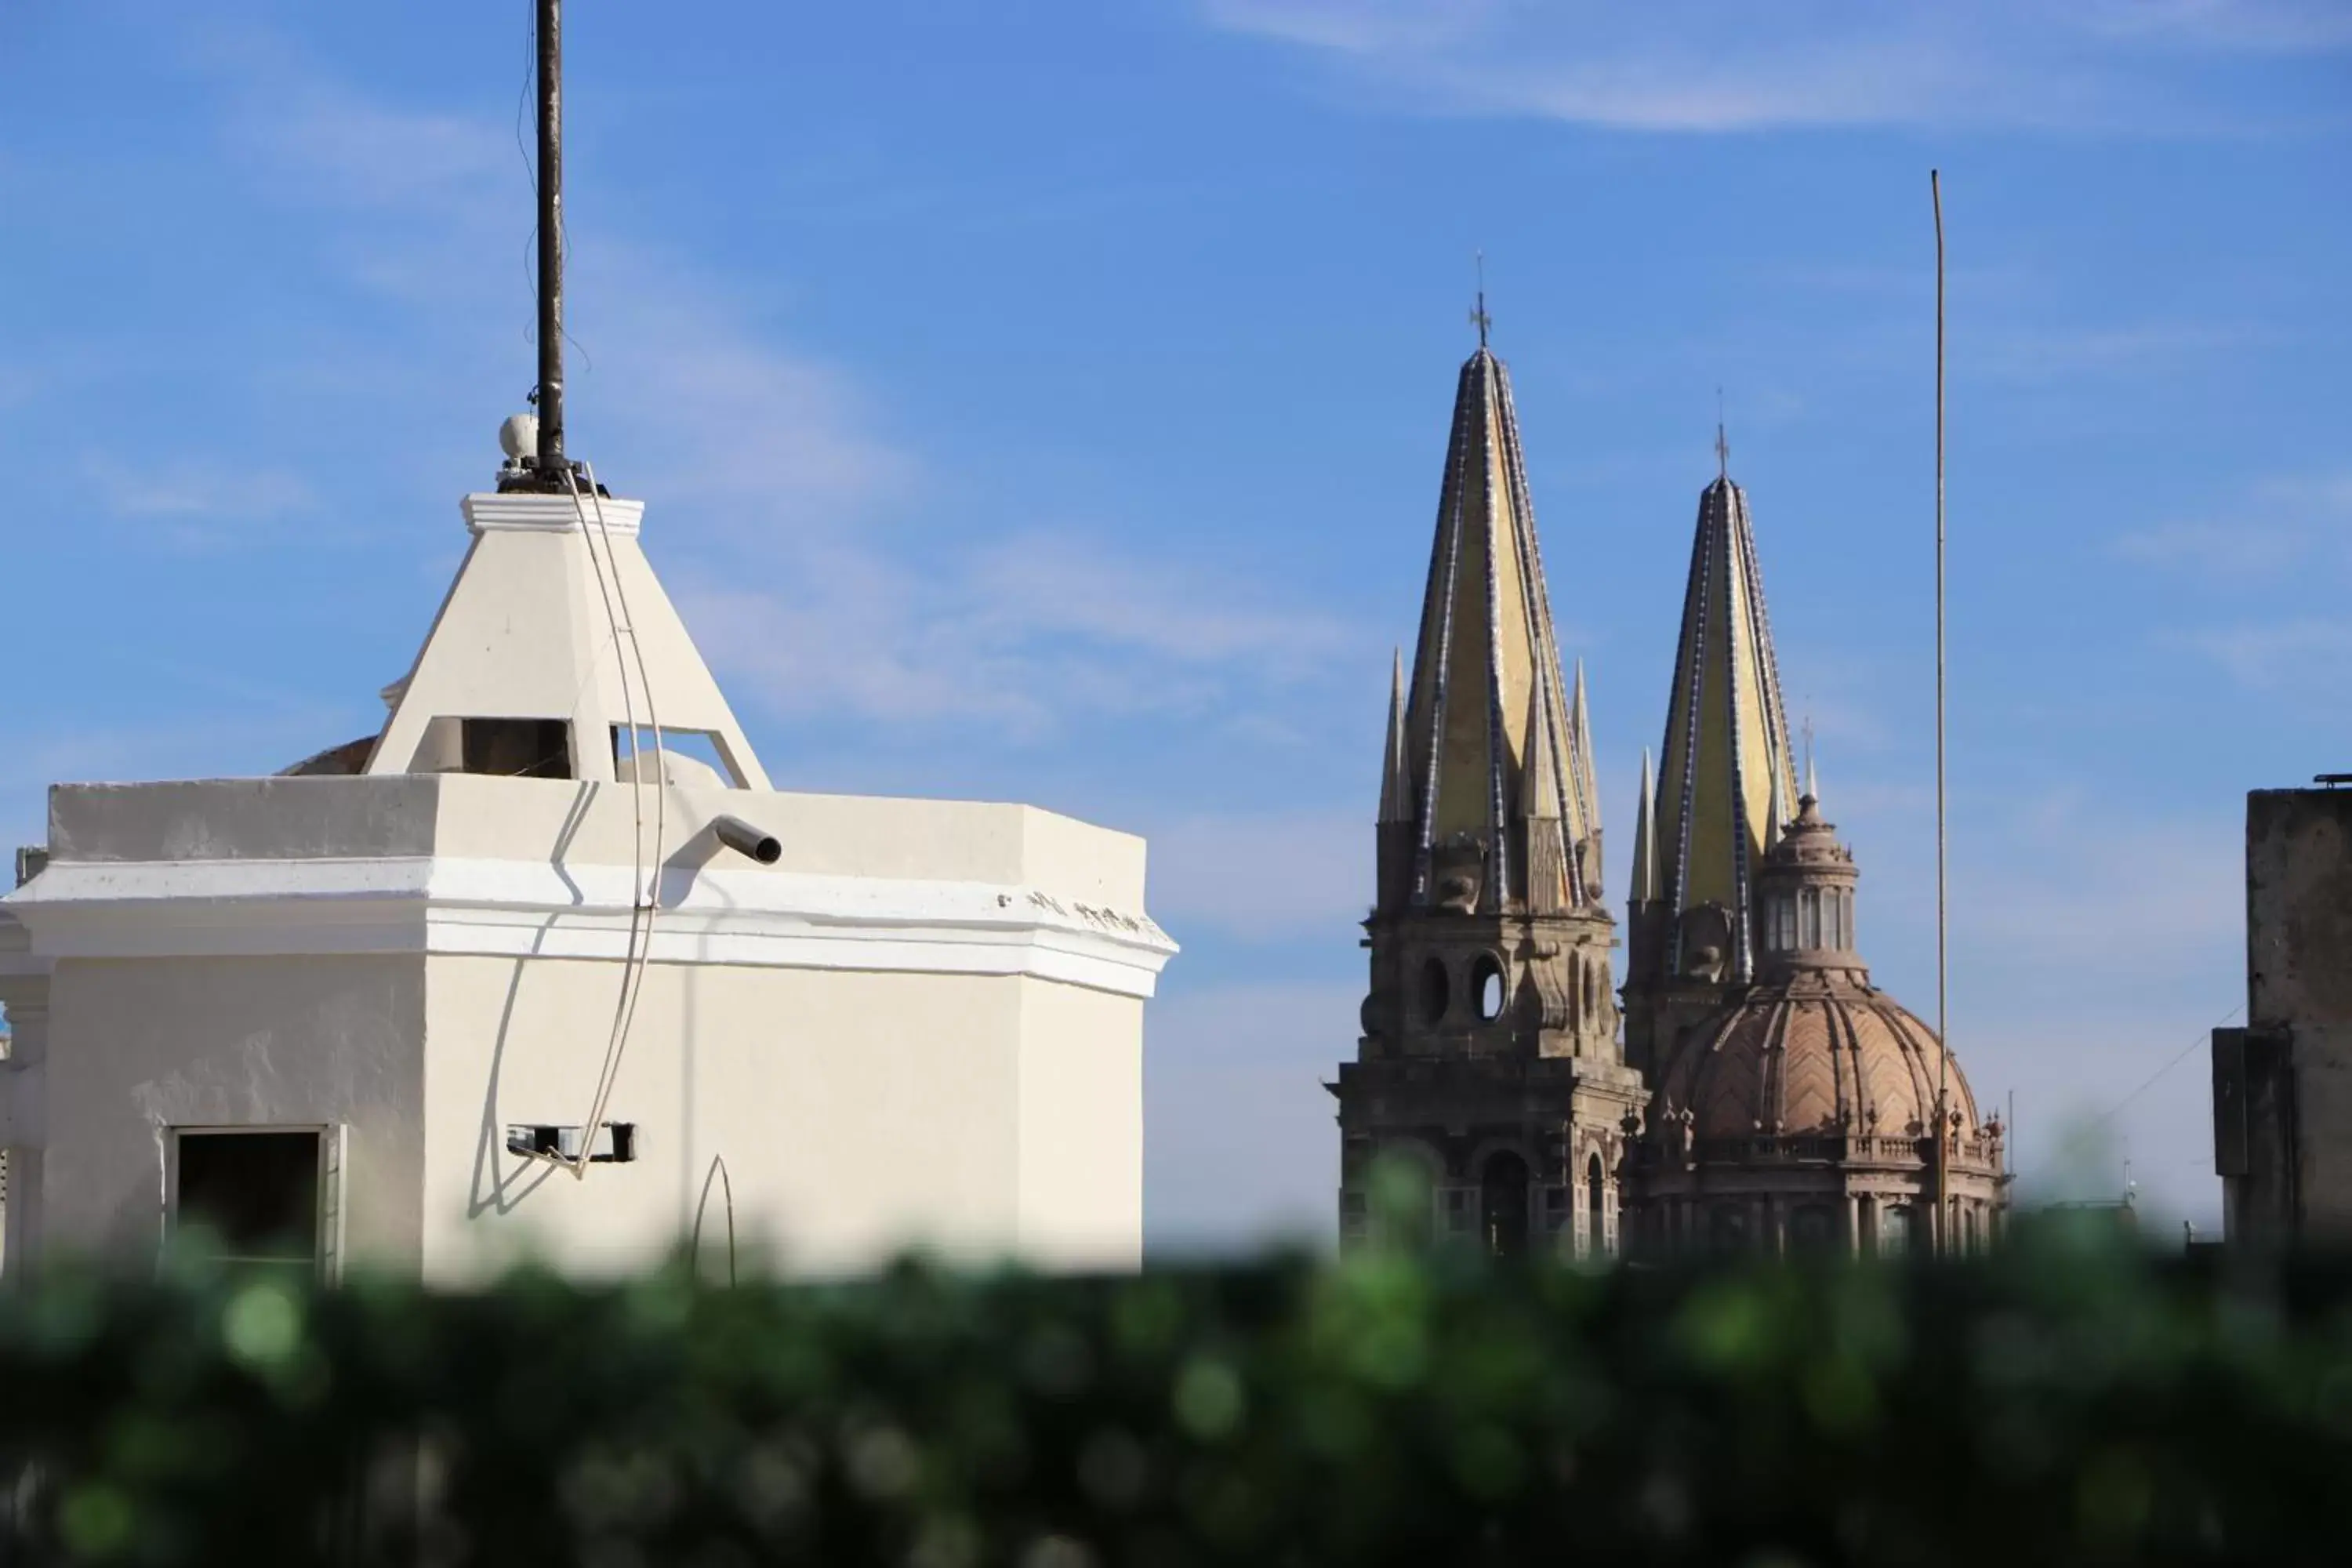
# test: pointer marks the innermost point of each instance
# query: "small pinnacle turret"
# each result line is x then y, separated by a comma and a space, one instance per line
1588, 789
1645, 839
1396, 788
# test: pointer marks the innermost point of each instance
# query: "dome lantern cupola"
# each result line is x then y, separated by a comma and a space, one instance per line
1805, 900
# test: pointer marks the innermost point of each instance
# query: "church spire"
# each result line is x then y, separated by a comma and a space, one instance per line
1588, 790
1726, 771
1487, 722
1645, 839
1396, 788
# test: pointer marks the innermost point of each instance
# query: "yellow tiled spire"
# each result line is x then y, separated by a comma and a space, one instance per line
1727, 759
1488, 727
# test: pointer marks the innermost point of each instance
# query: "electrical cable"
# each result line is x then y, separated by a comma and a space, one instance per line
636, 845
644, 903
727, 1188
2205, 1037
645, 891
648, 900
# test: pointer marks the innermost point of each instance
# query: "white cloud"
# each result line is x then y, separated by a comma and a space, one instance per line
1294, 873
2273, 655
695, 402
2280, 523
199, 505
2037, 356
1720, 66
2090, 891
1026, 632
2246, 550
1060, 584
2271, 570
801, 535
2292, 26
18, 385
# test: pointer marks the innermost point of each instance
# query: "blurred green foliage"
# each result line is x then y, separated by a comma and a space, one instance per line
2051, 1402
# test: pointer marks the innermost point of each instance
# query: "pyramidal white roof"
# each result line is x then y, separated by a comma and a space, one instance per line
556, 616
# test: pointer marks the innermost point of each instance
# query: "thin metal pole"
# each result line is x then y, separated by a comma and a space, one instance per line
549, 458
1943, 1023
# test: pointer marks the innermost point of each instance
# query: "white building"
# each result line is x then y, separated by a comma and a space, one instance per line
408, 1004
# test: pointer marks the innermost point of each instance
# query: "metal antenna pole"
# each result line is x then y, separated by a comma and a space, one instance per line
1943, 1024
550, 460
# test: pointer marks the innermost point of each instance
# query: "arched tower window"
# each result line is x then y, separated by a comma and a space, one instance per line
1808, 918
1486, 987
1503, 1202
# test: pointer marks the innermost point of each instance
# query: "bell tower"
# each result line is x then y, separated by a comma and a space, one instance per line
1489, 1055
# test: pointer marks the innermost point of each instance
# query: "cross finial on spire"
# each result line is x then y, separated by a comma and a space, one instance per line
1722, 446
1812, 788
1479, 318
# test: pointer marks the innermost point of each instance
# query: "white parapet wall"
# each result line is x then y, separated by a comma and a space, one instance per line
922, 1025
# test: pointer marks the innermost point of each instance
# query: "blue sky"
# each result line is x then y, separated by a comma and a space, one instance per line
1045, 401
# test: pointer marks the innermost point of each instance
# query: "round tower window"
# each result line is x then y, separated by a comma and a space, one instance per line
1487, 982
1435, 992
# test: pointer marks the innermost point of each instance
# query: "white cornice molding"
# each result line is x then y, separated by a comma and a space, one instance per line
517, 907
525, 512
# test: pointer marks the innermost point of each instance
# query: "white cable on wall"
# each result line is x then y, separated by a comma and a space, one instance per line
649, 871
645, 888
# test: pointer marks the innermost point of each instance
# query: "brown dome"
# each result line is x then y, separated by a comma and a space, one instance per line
1817, 1053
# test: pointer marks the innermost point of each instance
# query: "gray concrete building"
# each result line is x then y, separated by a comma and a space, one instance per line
2283, 1084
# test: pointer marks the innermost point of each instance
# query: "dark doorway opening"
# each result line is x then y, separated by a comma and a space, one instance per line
1435, 997
1596, 1208
1503, 1194
249, 1198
